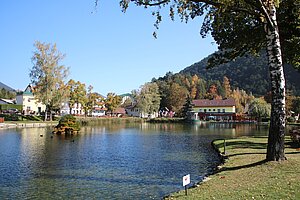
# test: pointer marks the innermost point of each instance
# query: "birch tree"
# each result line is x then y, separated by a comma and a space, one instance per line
48, 76
240, 27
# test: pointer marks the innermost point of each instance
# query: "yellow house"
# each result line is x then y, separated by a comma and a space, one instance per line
216, 109
29, 102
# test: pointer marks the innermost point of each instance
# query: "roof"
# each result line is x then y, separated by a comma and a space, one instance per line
214, 102
119, 111
8, 101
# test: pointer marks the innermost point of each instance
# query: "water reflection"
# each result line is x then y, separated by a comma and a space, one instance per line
117, 161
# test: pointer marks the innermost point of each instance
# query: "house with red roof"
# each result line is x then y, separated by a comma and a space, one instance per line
216, 109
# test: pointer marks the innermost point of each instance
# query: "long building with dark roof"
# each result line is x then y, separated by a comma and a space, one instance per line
216, 109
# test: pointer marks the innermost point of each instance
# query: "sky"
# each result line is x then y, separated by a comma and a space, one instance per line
104, 47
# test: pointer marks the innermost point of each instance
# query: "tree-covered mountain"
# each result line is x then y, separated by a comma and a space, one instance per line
7, 88
249, 73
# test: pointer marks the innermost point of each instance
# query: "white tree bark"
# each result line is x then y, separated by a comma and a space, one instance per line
275, 150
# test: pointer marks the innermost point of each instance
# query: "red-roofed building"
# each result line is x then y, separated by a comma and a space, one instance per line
216, 109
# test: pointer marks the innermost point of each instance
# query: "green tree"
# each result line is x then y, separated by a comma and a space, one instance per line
226, 87
187, 107
148, 98
112, 102
77, 94
241, 26
7, 94
259, 108
201, 89
48, 76
176, 97
93, 100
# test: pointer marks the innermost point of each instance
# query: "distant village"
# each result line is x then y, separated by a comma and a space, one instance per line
25, 103
210, 109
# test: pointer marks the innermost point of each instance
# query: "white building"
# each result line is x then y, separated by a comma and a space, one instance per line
30, 105
77, 109
134, 111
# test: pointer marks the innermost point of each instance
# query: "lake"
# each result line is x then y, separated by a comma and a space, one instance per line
113, 161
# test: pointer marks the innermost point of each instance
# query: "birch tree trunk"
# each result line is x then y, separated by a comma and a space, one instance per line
275, 150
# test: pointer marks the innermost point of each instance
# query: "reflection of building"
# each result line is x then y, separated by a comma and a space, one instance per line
29, 102
216, 109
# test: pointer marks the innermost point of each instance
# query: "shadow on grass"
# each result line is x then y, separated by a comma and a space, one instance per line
293, 145
242, 145
241, 154
244, 166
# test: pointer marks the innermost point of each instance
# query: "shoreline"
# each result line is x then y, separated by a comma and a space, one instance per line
257, 179
206, 176
9, 125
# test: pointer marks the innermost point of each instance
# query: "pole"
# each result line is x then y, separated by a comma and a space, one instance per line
224, 147
185, 190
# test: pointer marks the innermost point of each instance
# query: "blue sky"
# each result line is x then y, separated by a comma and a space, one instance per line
105, 48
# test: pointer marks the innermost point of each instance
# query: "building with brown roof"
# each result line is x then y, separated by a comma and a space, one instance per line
216, 109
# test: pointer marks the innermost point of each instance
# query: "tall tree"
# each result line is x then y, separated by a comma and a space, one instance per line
148, 98
77, 94
226, 87
241, 26
5, 94
259, 108
112, 102
176, 97
187, 107
48, 76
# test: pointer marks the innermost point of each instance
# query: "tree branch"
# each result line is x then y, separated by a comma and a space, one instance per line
265, 12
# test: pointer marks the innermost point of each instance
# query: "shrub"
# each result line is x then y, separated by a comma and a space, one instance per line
67, 124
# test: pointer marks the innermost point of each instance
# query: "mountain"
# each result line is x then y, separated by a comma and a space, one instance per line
249, 73
7, 88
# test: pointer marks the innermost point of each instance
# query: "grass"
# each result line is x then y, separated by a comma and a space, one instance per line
108, 120
246, 175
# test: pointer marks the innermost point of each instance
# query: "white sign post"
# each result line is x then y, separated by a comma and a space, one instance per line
185, 181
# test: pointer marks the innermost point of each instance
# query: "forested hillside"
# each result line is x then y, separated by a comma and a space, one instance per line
249, 73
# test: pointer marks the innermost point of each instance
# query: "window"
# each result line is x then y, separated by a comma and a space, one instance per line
209, 110
223, 110
214, 110
205, 110
219, 110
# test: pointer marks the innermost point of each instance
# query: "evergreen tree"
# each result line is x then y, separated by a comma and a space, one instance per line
187, 107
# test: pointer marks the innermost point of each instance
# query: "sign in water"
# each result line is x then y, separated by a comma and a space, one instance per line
185, 181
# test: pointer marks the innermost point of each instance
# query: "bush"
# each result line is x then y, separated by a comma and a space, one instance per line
67, 124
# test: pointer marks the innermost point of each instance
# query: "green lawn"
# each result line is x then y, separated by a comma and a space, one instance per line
245, 174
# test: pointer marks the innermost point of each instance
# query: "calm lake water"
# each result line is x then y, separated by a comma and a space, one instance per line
116, 161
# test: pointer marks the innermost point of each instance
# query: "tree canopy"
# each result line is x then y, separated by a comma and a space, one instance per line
237, 26
48, 76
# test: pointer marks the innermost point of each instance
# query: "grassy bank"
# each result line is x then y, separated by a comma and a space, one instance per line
108, 120
167, 120
245, 174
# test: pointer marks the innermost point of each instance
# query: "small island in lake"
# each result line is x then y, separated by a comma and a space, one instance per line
67, 125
